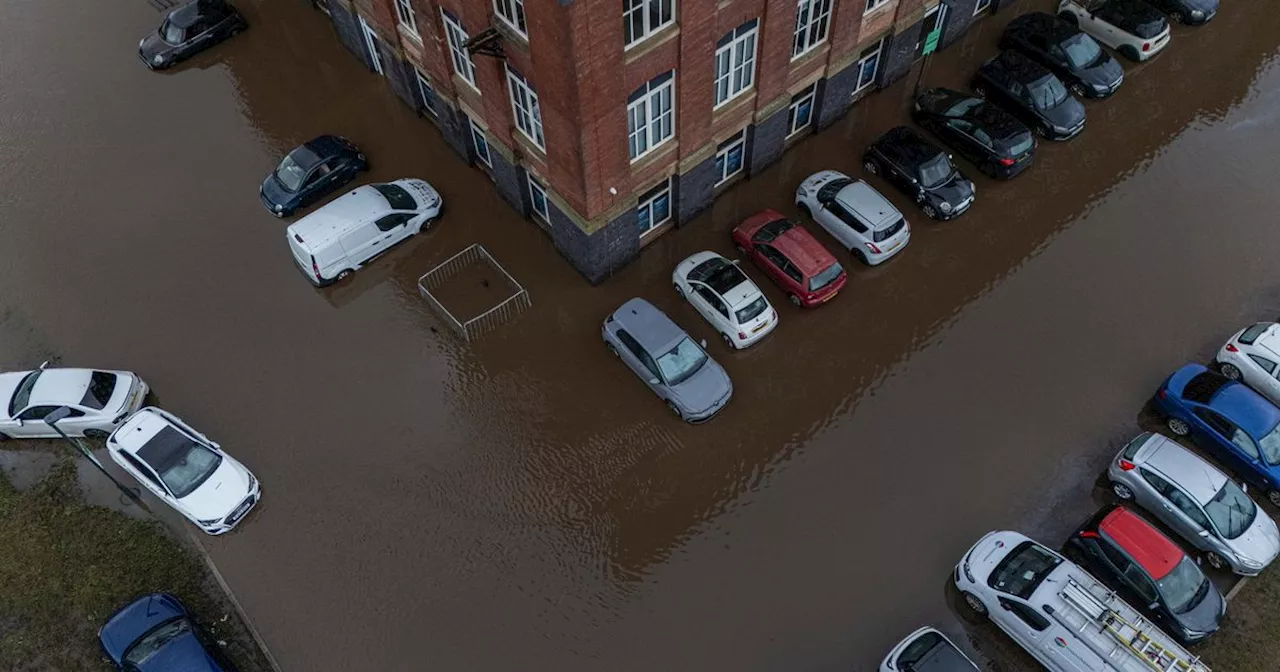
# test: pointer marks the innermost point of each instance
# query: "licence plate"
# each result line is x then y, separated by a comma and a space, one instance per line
830, 296
760, 326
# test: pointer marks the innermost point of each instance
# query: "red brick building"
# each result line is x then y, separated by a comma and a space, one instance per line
610, 122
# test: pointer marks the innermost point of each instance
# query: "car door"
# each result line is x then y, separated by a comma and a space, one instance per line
1119, 572
1164, 508
899, 173
1102, 23
319, 181
640, 362
32, 423
199, 36
79, 419
711, 306
772, 261
843, 225
1230, 444
1024, 624
1267, 384
395, 228
961, 135
362, 243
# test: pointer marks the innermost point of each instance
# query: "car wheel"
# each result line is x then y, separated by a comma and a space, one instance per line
1178, 426
3, 437
1079, 90
1214, 560
1122, 491
96, 434
1129, 52
930, 212
612, 349
742, 251
1177, 17
980, 90
342, 276
1230, 371
1274, 497
728, 340
871, 167
974, 603
675, 410
679, 292
860, 256
795, 300
1069, 18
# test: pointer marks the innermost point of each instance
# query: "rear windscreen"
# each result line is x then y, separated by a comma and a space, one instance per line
1252, 333
888, 231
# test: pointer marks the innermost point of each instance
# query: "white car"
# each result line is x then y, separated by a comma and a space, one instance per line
185, 469
98, 401
1132, 27
924, 650
864, 222
1253, 356
726, 297
346, 233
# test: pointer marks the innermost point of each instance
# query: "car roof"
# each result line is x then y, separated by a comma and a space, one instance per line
326, 146
140, 428
1246, 408
60, 386
803, 250
1153, 551
339, 216
859, 197
1181, 466
907, 144
1017, 66
651, 328
1269, 340
1040, 22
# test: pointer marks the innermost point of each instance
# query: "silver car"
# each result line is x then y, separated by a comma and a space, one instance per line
851, 211
927, 649
1197, 501
675, 367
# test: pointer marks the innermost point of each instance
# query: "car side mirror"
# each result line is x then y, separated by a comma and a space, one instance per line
1153, 606
44, 364
654, 381
1204, 533
703, 342
1244, 487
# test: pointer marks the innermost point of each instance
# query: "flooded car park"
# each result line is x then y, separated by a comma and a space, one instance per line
521, 500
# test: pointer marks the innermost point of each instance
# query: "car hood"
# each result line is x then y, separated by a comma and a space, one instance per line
1066, 114
1261, 542
184, 654
1204, 617
1102, 73
226, 487
704, 389
955, 191
274, 192
134, 620
152, 45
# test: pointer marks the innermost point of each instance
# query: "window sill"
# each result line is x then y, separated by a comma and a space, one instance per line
743, 99
411, 34
812, 54
729, 182
513, 34
656, 232
648, 43
877, 9
527, 146
665, 150
461, 84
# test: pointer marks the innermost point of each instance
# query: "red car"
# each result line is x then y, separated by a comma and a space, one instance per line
796, 261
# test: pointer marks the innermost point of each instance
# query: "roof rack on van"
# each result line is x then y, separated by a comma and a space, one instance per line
1097, 610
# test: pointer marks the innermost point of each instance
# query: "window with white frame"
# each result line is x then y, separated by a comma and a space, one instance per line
813, 18
457, 37
800, 114
731, 157
481, 143
654, 209
538, 199
736, 61
651, 115
868, 66
642, 18
512, 12
428, 93
524, 107
980, 6
876, 4
404, 12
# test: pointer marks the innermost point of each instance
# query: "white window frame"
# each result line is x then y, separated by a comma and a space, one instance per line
981, 6
739, 141
878, 54
644, 11
810, 94
516, 19
371, 43
461, 60
536, 189
648, 199
478, 135
647, 117
736, 62
408, 20
426, 91
525, 109
873, 5
813, 25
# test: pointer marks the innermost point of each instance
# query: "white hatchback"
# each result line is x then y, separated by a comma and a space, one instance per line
1253, 356
855, 214
185, 469
1132, 27
98, 401
724, 295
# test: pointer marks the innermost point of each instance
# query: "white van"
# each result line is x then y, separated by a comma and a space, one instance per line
1062, 616
340, 237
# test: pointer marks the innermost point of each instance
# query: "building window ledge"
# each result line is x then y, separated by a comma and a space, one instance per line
413, 36
463, 86
652, 41
879, 9
662, 152
808, 57
656, 232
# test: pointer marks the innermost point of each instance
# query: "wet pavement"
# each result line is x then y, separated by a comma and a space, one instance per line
523, 500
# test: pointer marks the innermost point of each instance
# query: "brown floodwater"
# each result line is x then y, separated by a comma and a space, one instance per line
523, 500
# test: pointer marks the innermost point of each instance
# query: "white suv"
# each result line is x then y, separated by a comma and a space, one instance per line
1132, 27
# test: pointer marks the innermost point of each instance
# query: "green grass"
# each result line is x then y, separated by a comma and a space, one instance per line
1249, 640
65, 567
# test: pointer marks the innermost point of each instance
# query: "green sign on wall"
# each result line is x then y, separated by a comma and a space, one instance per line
931, 41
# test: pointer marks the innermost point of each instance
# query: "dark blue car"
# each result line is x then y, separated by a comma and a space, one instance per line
1233, 423
310, 171
155, 634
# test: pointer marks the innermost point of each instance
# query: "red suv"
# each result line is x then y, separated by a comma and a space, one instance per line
796, 261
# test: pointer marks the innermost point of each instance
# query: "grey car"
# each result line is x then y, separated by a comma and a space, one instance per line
1197, 501
676, 368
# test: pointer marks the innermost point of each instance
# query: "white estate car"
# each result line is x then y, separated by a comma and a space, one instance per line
726, 297
1253, 356
1132, 27
98, 400
185, 469
927, 650
851, 211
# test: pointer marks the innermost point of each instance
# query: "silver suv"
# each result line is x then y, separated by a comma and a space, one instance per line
676, 368
1197, 501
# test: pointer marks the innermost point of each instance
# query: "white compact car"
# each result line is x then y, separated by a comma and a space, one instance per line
335, 240
1132, 27
864, 222
185, 469
927, 650
726, 298
98, 401
1253, 356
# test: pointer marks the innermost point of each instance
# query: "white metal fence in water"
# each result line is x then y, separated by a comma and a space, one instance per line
488, 320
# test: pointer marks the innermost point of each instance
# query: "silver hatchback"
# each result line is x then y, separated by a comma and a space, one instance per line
676, 368
1197, 501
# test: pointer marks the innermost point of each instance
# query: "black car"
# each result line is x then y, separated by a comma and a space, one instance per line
312, 170
920, 170
994, 140
1190, 12
1032, 93
1073, 56
1150, 572
189, 30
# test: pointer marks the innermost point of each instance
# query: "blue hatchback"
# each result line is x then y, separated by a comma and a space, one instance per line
1233, 423
156, 634
309, 172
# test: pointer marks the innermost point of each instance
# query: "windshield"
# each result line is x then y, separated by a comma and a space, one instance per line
1231, 511
155, 640
101, 386
1023, 569
931, 653
182, 463
1184, 587
396, 196
170, 32
935, 171
1019, 144
1081, 50
888, 232
293, 170
23, 394
1047, 92
752, 311
681, 361
826, 277
1270, 445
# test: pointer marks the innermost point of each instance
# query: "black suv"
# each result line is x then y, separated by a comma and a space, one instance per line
1032, 93
1070, 54
921, 171
994, 140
